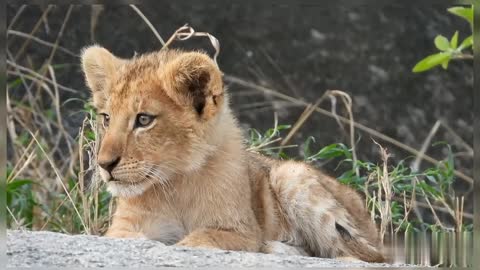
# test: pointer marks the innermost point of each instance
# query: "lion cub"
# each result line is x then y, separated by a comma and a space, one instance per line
174, 156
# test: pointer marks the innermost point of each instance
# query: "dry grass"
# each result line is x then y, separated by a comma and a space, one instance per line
364, 128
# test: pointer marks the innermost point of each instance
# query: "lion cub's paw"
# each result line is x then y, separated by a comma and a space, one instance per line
195, 243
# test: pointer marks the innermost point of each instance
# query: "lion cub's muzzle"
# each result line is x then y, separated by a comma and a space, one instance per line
108, 166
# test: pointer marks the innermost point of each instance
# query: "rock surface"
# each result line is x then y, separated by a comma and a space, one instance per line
47, 249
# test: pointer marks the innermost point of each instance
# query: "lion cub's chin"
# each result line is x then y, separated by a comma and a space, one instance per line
121, 189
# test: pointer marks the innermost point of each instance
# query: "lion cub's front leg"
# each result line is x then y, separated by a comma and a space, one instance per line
123, 226
221, 239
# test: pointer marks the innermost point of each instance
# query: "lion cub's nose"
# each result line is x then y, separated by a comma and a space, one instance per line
110, 164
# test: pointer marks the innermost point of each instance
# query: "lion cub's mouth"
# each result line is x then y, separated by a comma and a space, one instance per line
126, 182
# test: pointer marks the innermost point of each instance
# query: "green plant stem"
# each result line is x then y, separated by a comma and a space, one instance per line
463, 56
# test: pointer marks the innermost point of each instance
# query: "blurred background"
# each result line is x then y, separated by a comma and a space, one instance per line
277, 60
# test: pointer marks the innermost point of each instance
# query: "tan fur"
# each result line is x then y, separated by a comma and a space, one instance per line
187, 179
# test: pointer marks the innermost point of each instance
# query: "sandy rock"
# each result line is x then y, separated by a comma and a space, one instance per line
47, 249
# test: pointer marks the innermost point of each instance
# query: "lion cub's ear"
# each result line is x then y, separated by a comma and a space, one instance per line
99, 66
194, 80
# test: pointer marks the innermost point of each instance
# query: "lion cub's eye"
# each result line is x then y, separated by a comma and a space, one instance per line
143, 120
106, 119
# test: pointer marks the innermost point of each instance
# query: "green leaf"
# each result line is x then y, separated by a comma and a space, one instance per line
283, 155
429, 189
468, 42
90, 135
15, 83
331, 151
441, 43
306, 148
466, 13
16, 184
50, 113
454, 40
445, 64
431, 61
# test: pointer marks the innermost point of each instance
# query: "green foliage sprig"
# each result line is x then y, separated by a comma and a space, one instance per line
449, 49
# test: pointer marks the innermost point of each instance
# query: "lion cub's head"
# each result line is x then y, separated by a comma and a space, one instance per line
156, 113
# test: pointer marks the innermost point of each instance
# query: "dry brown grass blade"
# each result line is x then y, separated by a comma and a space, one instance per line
90, 147
416, 163
57, 41
301, 120
385, 191
436, 208
96, 10
347, 101
35, 76
10, 122
14, 173
432, 209
269, 140
460, 216
32, 33
150, 25
35, 109
452, 132
239, 81
418, 159
57, 173
81, 178
186, 32
19, 225
407, 206
15, 18
24, 164
40, 41
62, 131
459, 213
49, 219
